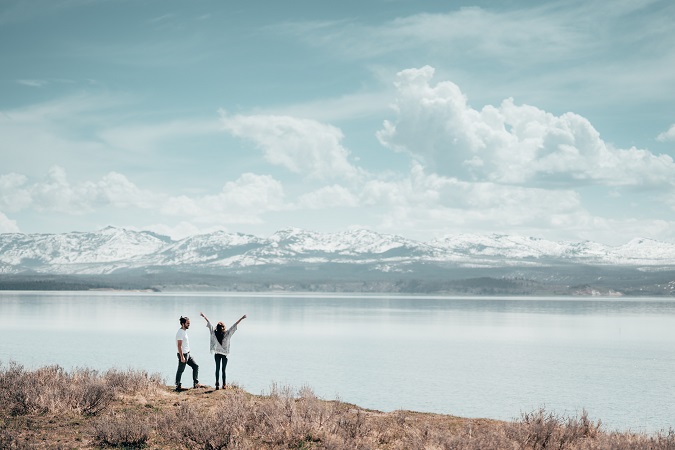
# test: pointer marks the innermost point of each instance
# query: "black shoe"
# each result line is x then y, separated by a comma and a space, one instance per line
217, 387
179, 388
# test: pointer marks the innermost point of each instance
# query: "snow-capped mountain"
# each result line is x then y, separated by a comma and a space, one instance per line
112, 249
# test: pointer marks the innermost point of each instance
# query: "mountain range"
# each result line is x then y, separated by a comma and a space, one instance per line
298, 259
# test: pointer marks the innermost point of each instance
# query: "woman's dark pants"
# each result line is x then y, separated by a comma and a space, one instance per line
220, 358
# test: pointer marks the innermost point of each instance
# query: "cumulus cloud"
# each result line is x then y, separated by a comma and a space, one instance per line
56, 193
244, 200
7, 225
435, 202
667, 136
13, 194
302, 146
509, 143
241, 201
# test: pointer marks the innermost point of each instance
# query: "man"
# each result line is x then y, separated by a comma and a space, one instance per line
183, 344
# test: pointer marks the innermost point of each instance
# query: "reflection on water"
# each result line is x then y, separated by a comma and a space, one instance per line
475, 357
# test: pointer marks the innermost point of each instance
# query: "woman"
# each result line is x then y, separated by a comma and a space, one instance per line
220, 344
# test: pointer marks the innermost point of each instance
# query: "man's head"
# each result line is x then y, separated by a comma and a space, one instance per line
184, 322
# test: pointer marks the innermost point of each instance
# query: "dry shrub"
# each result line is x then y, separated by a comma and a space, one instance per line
634, 441
282, 419
124, 429
278, 420
543, 430
52, 389
212, 429
132, 381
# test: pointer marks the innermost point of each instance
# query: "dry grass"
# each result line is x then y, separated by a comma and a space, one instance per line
52, 408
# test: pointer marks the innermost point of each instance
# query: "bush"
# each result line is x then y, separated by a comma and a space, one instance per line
208, 429
123, 429
132, 381
52, 389
540, 430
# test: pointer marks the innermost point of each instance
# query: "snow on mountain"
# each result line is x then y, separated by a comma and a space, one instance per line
206, 248
644, 251
112, 249
348, 243
107, 245
523, 248
501, 245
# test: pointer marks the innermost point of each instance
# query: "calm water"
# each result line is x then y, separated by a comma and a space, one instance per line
472, 357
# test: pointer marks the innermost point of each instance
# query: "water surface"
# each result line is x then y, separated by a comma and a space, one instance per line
472, 357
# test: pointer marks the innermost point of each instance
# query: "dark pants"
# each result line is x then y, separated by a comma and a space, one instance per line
220, 358
181, 367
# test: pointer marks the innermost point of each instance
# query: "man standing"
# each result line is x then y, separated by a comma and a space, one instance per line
183, 344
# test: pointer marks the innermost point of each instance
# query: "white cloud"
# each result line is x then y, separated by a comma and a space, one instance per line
509, 143
667, 136
56, 193
7, 225
242, 201
32, 83
434, 202
504, 35
302, 146
13, 195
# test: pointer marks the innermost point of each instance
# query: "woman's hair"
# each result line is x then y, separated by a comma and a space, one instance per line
220, 332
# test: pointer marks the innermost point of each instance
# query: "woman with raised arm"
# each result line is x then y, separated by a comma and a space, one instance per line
220, 344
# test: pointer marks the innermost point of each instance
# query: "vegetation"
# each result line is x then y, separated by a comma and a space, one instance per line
418, 278
52, 408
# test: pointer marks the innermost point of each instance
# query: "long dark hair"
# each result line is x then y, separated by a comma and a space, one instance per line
220, 332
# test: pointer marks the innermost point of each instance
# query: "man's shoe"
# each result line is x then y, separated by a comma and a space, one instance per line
217, 386
179, 388
197, 386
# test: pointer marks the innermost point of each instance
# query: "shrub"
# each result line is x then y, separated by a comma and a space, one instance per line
214, 429
542, 430
132, 381
124, 429
52, 389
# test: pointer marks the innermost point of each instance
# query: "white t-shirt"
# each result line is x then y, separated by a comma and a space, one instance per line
182, 335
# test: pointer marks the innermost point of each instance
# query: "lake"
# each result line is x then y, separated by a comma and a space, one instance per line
471, 357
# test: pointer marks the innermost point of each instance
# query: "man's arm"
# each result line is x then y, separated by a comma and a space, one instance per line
179, 344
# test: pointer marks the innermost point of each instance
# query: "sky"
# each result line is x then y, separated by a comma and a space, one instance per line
420, 118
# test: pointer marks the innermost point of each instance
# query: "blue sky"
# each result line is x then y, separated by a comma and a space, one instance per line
418, 118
